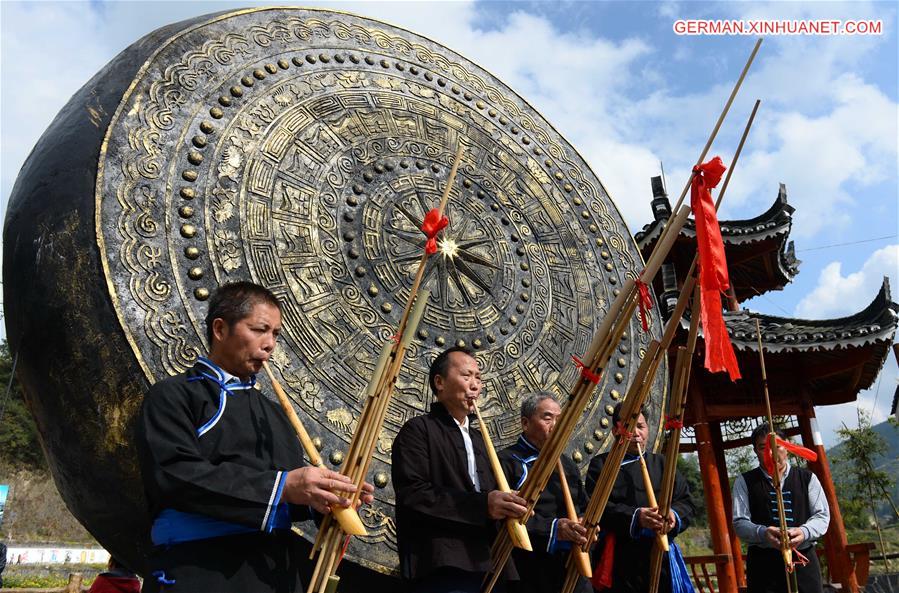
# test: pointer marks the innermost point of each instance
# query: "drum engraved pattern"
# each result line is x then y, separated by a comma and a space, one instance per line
301, 149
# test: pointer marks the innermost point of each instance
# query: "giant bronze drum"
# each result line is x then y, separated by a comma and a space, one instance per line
300, 149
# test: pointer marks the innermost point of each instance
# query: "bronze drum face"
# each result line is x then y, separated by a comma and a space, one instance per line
301, 149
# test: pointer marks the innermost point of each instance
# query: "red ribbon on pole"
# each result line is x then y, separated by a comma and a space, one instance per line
713, 276
672, 423
346, 544
803, 452
433, 224
621, 431
801, 560
645, 304
586, 373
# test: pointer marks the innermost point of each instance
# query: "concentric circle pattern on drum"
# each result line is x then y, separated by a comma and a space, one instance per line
301, 149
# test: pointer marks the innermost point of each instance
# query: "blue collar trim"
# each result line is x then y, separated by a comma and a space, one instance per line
221, 377
527, 445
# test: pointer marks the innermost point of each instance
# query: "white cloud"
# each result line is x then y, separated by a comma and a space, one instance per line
825, 161
824, 127
581, 89
669, 9
837, 295
875, 401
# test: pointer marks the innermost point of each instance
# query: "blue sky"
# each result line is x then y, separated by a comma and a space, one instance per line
627, 92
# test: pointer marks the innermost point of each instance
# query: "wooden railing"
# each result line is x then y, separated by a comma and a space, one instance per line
859, 561
704, 571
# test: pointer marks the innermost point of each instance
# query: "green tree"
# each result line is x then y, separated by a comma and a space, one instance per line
19, 446
688, 467
739, 461
862, 486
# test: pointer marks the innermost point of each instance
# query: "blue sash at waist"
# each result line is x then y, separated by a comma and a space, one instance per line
175, 527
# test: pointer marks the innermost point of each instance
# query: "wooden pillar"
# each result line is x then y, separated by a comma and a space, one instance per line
736, 551
711, 482
731, 301
835, 543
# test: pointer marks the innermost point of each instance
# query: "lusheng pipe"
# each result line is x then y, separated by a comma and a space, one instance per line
517, 530
330, 541
595, 360
661, 538
578, 556
347, 517
786, 550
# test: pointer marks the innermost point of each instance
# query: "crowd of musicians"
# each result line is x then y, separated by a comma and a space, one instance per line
225, 479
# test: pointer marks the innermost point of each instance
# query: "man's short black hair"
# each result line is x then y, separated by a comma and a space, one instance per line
441, 364
616, 414
232, 302
762, 430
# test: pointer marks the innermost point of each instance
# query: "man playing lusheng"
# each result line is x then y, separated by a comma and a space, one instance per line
446, 497
223, 470
551, 532
635, 524
756, 520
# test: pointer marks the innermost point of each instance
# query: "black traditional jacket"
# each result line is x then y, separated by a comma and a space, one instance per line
543, 569
441, 519
214, 458
632, 545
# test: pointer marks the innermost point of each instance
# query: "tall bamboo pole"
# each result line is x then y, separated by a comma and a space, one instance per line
785, 549
517, 530
681, 382
658, 255
331, 539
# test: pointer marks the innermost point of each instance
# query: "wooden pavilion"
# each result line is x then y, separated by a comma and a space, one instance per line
809, 363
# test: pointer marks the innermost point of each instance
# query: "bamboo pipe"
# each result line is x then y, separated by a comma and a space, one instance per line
630, 410
661, 538
378, 392
691, 285
671, 452
683, 366
375, 426
552, 449
581, 558
671, 328
330, 560
444, 198
326, 544
624, 297
517, 531
681, 374
571, 413
786, 549
369, 426
382, 380
721, 117
612, 465
347, 516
